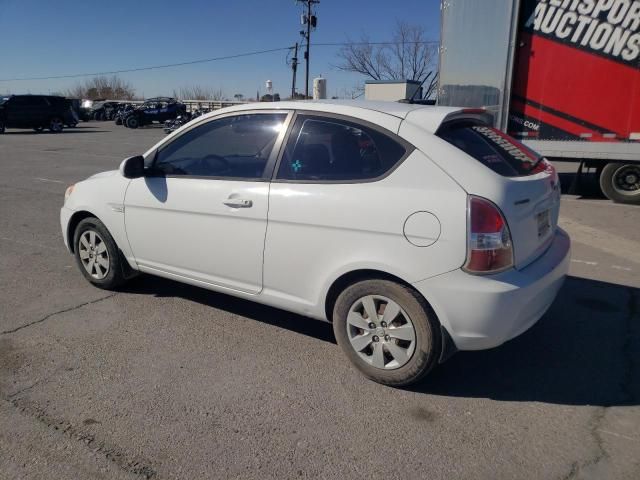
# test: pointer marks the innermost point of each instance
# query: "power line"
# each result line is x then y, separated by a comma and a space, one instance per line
204, 60
154, 67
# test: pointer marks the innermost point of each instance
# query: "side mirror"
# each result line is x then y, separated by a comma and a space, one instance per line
132, 167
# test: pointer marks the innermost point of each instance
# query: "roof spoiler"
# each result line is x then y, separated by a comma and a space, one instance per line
479, 114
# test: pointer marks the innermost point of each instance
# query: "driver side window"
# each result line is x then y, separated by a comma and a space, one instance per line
231, 147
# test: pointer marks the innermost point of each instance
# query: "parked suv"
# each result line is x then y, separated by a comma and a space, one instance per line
33, 111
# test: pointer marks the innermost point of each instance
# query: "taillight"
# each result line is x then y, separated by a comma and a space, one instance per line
543, 166
489, 245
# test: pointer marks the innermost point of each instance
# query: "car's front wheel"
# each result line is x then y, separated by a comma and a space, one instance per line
388, 331
132, 121
56, 125
97, 254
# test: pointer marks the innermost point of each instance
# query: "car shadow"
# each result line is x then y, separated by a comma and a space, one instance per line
584, 351
161, 287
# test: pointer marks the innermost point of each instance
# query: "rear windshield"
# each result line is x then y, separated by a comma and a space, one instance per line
494, 149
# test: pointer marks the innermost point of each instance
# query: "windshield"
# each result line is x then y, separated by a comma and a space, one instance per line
491, 147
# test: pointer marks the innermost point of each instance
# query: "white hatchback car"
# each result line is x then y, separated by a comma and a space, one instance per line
416, 230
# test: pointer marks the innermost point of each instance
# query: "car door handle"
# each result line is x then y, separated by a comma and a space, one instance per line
238, 203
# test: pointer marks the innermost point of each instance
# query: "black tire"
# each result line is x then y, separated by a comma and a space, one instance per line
118, 121
2, 126
132, 122
56, 125
614, 186
427, 331
115, 274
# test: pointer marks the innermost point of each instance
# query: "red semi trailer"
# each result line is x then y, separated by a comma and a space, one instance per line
563, 76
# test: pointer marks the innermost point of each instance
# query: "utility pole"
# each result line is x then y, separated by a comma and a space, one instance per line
294, 66
310, 21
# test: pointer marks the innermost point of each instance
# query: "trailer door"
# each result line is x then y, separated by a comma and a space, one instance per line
476, 51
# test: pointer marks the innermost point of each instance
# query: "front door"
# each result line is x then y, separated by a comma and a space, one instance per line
201, 211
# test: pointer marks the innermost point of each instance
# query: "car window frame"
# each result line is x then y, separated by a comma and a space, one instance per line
268, 172
409, 148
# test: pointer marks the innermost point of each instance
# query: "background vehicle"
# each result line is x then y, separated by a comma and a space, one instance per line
569, 89
122, 111
34, 111
172, 125
71, 118
290, 206
104, 110
152, 110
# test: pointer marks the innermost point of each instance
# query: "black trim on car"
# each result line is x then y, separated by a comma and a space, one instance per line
271, 161
409, 148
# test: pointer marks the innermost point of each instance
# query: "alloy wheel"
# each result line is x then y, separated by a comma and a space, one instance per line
93, 254
381, 332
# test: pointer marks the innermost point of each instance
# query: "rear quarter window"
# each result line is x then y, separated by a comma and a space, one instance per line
328, 149
491, 147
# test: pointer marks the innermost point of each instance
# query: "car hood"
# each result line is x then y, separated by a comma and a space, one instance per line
110, 173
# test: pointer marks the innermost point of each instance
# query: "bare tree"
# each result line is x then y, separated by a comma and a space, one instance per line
410, 56
198, 92
113, 88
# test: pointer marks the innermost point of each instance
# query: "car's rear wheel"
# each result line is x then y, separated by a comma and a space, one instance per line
97, 254
132, 122
388, 331
56, 125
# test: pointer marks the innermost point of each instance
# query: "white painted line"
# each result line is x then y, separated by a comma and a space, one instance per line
603, 240
584, 261
586, 135
619, 435
49, 180
597, 203
634, 136
618, 267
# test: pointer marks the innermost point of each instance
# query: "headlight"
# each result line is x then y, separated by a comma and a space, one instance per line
68, 192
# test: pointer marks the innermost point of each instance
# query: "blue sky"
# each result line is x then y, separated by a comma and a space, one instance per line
46, 38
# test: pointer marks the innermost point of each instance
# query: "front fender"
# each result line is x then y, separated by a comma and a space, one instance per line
103, 198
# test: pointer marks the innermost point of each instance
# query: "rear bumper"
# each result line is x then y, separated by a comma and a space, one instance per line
481, 312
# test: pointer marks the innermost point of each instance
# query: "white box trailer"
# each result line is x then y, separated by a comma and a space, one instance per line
563, 76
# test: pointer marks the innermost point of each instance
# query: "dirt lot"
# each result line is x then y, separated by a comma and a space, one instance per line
165, 380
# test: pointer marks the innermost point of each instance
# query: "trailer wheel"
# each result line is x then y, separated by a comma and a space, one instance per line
620, 182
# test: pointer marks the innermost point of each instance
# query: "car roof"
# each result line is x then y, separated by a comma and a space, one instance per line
428, 117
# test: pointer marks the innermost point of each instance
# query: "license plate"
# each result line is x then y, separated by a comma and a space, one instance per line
544, 223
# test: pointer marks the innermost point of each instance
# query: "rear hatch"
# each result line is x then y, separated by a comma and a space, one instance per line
530, 193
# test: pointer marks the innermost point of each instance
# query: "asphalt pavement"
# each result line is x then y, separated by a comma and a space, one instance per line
164, 380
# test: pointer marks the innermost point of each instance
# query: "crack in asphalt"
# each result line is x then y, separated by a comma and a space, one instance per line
119, 457
627, 395
46, 317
